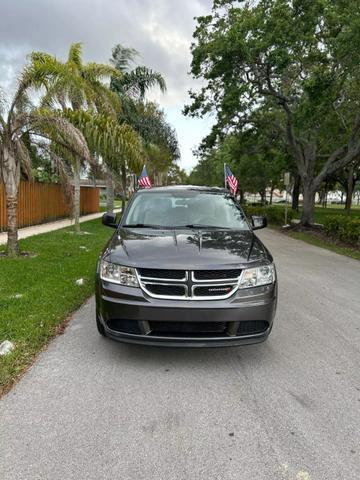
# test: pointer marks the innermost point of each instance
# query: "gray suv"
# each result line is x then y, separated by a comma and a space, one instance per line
185, 269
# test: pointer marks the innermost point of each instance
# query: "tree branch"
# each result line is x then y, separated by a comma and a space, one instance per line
344, 154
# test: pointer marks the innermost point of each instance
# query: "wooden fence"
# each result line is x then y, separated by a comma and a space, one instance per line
44, 202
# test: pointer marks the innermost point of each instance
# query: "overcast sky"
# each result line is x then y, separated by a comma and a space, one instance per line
161, 30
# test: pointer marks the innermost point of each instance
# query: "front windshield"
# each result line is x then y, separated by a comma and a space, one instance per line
188, 209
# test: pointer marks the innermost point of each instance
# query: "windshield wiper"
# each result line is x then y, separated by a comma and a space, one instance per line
200, 225
142, 225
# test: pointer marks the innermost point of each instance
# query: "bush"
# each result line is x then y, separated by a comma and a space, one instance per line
343, 228
274, 215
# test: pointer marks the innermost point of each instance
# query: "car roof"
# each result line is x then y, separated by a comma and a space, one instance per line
177, 188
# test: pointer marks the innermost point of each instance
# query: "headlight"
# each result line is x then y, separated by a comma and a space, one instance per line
255, 277
111, 272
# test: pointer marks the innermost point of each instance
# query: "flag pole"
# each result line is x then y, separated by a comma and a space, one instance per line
225, 175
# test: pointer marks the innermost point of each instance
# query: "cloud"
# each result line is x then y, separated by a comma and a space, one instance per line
161, 30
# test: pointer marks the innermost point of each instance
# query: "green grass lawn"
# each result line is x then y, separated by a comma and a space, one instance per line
321, 213
38, 293
338, 206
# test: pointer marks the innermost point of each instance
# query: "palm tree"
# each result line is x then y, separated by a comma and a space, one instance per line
133, 83
131, 87
108, 139
80, 86
145, 117
17, 123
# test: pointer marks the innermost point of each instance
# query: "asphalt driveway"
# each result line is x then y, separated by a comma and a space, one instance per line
288, 409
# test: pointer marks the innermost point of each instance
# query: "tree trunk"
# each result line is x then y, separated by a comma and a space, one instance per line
109, 192
11, 177
13, 248
76, 206
241, 192
123, 184
271, 194
296, 193
307, 217
326, 197
349, 190
324, 194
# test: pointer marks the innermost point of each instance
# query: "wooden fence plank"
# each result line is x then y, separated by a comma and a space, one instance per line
45, 202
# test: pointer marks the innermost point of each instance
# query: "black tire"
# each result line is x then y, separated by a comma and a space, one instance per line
100, 326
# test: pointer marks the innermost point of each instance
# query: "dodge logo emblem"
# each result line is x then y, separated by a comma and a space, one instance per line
223, 289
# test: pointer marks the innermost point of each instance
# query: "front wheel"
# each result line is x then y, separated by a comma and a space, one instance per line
100, 326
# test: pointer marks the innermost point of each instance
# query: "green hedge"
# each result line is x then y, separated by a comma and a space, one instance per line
274, 215
343, 228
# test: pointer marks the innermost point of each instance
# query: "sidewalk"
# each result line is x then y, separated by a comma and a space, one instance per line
49, 227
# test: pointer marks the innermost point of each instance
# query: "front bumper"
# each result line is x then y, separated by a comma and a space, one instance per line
130, 315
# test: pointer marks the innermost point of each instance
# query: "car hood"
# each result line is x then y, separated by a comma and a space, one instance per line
185, 249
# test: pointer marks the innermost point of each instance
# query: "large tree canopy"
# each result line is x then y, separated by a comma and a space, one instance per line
301, 58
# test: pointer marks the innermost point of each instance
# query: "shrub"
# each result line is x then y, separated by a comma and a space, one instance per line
343, 228
274, 215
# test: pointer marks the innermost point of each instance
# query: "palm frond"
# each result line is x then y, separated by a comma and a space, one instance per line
122, 57
60, 130
23, 156
106, 100
46, 65
35, 75
98, 72
74, 83
58, 157
25, 81
3, 103
75, 54
136, 82
107, 138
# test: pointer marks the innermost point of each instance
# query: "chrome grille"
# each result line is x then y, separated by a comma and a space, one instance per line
189, 284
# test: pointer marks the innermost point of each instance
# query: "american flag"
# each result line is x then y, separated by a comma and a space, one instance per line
231, 180
144, 180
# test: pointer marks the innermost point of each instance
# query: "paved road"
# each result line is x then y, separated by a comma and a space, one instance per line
288, 409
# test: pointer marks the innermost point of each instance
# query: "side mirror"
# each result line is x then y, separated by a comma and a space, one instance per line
109, 219
258, 222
